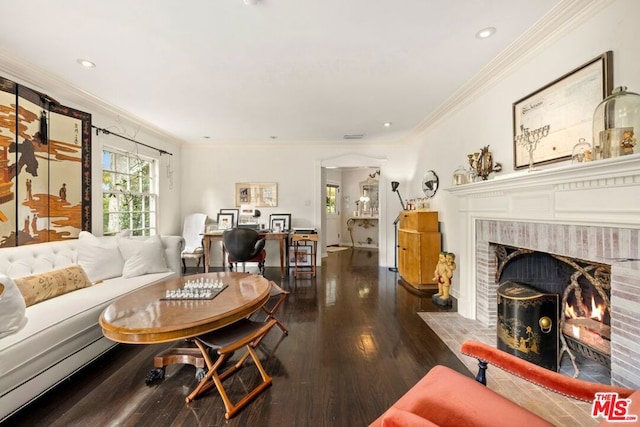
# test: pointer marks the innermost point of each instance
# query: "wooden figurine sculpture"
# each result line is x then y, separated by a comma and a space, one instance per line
628, 142
442, 275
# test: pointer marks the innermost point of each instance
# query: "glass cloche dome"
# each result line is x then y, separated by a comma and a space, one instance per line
616, 124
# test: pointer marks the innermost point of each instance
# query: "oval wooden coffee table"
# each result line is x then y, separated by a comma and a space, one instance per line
143, 317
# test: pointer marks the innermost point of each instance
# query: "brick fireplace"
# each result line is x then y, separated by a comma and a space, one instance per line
587, 211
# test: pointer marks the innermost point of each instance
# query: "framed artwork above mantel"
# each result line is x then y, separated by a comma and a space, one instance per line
566, 106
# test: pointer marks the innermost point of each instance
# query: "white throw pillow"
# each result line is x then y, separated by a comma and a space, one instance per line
101, 259
142, 256
12, 307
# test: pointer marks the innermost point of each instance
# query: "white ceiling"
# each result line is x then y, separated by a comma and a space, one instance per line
299, 70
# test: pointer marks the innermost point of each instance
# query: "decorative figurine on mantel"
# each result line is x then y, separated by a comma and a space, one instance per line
482, 164
581, 152
443, 275
628, 142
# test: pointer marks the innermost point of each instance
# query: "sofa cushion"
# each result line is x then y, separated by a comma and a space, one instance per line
12, 307
101, 259
142, 256
41, 287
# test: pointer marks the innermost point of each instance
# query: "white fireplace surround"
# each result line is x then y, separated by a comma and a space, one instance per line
589, 211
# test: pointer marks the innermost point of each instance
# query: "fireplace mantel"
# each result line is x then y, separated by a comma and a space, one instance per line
604, 193
587, 211
589, 171
600, 192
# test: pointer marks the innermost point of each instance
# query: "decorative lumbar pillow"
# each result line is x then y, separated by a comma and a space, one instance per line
41, 287
142, 256
12, 307
100, 259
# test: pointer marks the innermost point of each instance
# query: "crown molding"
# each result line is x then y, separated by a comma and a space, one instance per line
43, 81
558, 22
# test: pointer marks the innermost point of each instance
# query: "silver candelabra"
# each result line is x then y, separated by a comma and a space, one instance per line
530, 139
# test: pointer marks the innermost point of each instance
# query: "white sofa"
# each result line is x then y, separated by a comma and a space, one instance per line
61, 334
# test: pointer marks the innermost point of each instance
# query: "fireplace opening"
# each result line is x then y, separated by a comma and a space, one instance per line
573, 294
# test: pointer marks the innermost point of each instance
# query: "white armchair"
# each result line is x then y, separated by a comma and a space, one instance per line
194, 226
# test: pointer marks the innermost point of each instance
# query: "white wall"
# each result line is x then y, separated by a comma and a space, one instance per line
210, 174
487, 119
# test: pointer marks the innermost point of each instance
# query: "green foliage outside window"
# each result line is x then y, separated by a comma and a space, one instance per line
129, 195
332, 195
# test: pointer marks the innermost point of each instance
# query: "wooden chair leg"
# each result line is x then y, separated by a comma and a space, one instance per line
215, 379
272, 311
204, 384
266, 382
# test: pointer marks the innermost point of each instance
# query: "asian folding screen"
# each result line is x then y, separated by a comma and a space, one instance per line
45, 168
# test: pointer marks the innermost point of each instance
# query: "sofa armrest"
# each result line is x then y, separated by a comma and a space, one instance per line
173, 246
558, 383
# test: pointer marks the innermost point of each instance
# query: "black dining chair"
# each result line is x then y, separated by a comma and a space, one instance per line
244, 245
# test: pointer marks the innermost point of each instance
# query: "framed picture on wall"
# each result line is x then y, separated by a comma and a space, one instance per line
548, 123
259, 194
285, 218
277, 225
225, 221
234, 212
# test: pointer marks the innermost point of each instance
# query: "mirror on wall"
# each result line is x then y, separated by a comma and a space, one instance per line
369, 200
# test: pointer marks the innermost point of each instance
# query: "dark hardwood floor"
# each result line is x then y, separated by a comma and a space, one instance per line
355, 345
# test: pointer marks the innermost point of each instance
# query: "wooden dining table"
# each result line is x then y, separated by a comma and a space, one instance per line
145, 317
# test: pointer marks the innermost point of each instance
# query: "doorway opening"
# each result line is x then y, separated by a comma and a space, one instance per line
355, 177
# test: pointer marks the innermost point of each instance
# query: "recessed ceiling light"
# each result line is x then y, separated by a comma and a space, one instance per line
206, 137
273, 137
485, 33
86, 63
387, 124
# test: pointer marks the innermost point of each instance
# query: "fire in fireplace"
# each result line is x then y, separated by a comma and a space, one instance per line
587, 313
581, 287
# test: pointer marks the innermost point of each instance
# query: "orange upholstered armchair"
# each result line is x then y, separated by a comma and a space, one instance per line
445, 397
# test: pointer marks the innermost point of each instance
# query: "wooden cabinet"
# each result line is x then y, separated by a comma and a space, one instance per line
419, 244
